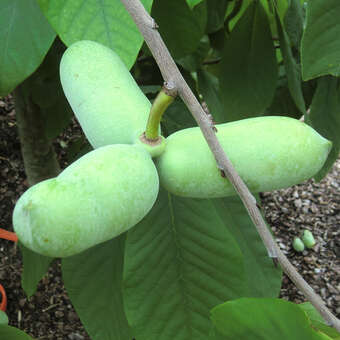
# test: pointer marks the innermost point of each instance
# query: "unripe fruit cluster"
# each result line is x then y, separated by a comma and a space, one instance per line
112, 188
307, 240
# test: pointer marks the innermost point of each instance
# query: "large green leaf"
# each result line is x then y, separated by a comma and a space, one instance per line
208, 86
248, 72
325, 117
257, 262
193, 61
12, 333
235, 12
46, 91
317, 320
263, 319
104, 21
292, 68
93, 282
294, 22
180, 261
180, 28
35, 267
193, 3
177, 117
25, 37
216, 14
320, 50
283, 103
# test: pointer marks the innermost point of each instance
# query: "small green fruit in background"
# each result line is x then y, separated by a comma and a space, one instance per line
105, 98
298, 244
96, 198
268, 153
308, 239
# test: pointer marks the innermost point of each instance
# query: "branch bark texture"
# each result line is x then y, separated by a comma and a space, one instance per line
172, 75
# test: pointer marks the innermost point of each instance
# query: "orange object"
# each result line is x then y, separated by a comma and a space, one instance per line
3, 304
8, 235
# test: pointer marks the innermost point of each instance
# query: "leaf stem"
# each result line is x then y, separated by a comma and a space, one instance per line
164, 98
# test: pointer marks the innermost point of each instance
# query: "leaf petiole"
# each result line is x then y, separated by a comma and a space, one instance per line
164, 98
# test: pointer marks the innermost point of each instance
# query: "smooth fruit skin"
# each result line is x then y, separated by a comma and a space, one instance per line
105, 98
298, 245
268, 153
96, 198
308, 239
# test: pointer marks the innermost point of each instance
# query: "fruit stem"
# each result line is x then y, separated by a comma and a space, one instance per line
3, 304
8, 235
163, 99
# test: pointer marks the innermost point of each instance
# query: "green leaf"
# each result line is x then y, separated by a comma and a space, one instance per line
320, 50
292, 68
180, 28
208, 86
3, 318
262, 319
104, 21
35, 267
25, 37
177, 117
216, 14
257, 262
93, 280
12, 333
235, 12
153, 89
180, 261
77, 148
193, 3
325, 117
293, 22
248, 72
317, 320
283, 103
193, 61
46, 91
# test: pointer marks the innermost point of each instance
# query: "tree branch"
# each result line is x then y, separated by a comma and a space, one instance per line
171, 74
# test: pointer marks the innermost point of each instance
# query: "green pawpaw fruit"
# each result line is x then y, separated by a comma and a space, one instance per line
308, 239
96, 198
298, 244
105, 98
268, 153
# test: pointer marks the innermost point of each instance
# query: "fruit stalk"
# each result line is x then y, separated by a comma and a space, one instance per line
148, 28
164, 98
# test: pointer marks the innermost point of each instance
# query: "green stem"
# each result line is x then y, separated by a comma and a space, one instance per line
160, 104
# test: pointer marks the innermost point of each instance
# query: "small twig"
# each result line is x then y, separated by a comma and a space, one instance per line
50, 307
171, 74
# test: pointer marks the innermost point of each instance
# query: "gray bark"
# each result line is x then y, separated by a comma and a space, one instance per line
37, 151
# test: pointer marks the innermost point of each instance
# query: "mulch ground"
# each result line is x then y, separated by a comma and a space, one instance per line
49, 313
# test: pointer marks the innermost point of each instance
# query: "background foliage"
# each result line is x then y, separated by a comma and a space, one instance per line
242, 58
